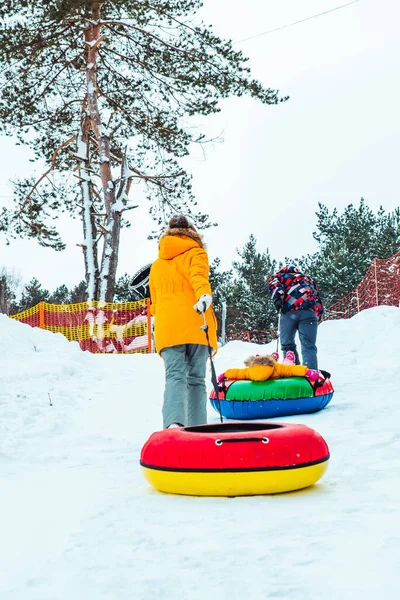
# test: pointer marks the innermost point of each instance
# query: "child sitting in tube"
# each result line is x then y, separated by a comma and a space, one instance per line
263, 367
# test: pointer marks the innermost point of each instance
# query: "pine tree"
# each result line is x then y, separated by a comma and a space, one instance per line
122, 289
79, 293
106, 89
221, 286
32, 294
254, 309
387, 234
348, 243
61, 295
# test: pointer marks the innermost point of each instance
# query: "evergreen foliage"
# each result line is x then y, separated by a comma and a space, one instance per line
221, 285
253, 307
32, 294
348, 242
78, 293
253, 272
122, 289
61, 295
105, 90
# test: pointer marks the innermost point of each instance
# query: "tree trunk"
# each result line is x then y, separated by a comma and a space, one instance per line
4, 307
89, 225
105, 284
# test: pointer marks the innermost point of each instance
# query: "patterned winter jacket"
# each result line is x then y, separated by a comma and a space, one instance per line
297, 291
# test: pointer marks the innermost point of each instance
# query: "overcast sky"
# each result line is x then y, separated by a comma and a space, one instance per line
335, 140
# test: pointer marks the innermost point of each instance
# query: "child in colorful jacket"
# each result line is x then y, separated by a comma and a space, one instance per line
296, 297
263, 367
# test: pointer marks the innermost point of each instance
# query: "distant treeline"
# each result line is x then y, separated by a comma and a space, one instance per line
347, 243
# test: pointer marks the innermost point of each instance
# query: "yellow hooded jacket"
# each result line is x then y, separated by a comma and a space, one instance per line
178, 278
261, 368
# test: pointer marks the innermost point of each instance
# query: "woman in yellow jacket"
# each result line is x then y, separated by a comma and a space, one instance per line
180, 293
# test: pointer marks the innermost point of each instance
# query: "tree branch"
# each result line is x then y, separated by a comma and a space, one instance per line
53, 161
146, 33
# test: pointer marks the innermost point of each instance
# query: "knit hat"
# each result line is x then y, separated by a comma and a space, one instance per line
180, 222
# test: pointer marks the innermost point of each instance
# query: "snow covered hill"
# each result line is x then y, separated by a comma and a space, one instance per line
79, 521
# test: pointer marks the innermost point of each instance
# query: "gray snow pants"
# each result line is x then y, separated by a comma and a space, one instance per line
185, 394
306, 323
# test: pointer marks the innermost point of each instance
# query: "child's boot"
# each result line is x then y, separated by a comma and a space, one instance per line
289, 358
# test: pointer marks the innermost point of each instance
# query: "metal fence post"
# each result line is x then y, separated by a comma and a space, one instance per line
223, 322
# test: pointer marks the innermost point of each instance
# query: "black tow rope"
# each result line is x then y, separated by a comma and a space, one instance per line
213, 374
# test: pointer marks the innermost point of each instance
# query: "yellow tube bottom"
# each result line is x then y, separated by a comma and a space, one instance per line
242, 483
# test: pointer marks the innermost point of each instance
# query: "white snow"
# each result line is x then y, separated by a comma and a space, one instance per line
103, 131
119, 205
81, 149
92, 43
79, 521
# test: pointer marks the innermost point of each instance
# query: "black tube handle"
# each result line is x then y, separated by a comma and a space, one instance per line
219, 442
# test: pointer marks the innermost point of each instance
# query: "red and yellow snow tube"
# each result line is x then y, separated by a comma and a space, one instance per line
234, 459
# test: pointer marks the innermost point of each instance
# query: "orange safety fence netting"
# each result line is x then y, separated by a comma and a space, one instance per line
100, 327
379, 286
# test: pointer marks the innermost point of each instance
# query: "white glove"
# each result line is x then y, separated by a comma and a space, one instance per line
204, 302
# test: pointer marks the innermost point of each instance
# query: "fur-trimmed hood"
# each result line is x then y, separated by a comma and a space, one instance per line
260, 360
190, 233
175, 241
